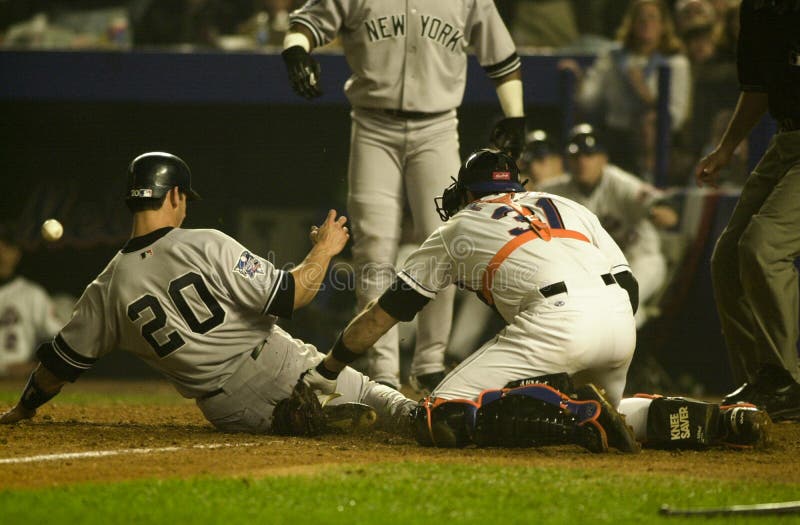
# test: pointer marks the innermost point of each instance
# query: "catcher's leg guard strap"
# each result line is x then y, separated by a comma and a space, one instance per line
561, 382
445, 423
677, 422
583, 410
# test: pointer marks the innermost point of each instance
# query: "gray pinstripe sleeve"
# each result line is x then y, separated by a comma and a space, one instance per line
324, 18
491, 40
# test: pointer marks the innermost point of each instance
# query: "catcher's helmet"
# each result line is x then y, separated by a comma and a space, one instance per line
152, 175
484, 171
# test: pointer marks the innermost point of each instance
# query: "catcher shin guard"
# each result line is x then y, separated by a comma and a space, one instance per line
443, 423
519, 417
522, 421
676, 422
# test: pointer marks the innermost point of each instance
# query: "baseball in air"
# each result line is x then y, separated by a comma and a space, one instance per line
52, 230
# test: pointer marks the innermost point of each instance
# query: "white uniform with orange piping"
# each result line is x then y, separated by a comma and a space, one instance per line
545, 263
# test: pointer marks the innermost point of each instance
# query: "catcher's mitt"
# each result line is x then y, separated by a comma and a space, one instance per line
300, 414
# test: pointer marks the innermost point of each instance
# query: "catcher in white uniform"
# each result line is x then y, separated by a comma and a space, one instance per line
199, 308
568, 297
27, 315
409, 64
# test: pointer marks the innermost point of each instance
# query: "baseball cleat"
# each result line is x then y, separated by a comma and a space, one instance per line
620, 435
744, 425
349, 417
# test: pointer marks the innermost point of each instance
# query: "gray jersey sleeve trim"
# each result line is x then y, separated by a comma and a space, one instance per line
279, 283
504, 67
319, 39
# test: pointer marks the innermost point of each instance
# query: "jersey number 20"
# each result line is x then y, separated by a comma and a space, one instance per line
159, 320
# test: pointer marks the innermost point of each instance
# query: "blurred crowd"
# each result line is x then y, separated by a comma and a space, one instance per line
633, 41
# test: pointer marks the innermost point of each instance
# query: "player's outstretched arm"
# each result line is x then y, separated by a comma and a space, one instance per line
328, 239
42, 386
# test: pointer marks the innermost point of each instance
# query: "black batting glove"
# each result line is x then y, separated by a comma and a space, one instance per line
303, 72
509, 136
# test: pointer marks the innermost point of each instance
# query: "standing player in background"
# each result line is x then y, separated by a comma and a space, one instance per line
200, 309
409, 64
627, 206
27, 316
755, 280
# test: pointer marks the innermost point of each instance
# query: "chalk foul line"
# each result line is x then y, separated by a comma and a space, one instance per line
118, 452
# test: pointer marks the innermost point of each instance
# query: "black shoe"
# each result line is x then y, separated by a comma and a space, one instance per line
773, 390
784, 403
620, 435
747, 393
743, 426
426, 383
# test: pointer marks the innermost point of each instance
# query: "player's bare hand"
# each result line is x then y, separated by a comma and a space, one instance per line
16, 414
707, 170
663, 216
332, 235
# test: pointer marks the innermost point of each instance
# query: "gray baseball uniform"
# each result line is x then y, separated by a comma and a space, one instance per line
622, 201
26, 318
409, 64
200, 309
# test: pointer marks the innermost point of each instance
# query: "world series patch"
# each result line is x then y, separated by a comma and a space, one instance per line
249, 265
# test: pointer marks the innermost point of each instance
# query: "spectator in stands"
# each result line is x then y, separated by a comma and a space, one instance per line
540, 161
622, 85
27, 316
628, 208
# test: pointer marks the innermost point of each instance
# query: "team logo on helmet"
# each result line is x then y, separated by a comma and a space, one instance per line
249, 265
501, 175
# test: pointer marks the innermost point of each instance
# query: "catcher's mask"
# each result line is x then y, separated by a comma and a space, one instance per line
485, 172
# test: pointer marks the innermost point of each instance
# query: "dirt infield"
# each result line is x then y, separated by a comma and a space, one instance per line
66, 427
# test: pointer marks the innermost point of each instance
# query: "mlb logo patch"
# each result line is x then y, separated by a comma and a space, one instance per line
249, 265
147, 253
501, 175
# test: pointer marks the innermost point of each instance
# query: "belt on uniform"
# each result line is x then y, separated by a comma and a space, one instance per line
253, 355
411, 115
561, 287
788, 124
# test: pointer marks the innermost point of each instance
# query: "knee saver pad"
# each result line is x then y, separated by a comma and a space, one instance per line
561, 382
677, 422
448, 424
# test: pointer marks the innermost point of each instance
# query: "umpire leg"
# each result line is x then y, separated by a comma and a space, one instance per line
735, 311
431, 159
375, 207
767, 249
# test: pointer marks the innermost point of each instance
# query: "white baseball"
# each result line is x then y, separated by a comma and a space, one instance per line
52, 230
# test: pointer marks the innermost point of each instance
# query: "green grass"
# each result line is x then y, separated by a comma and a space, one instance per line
386, 494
